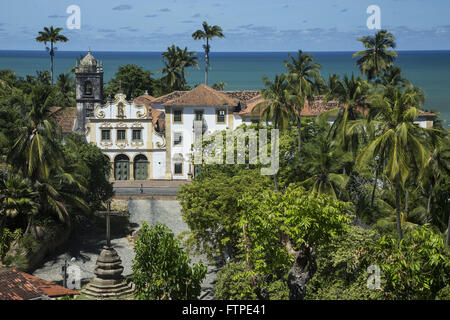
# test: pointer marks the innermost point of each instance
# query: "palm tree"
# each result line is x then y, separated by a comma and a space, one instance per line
398, 138
323, 160
172, 74
274, 108
377, 58
51, 35
37, 155
16, 197
36, 149
392, 78
303, 78
352, 94
175, 61
188, 59
436, 168
66, 85
208, 33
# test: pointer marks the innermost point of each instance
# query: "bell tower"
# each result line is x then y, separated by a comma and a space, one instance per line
89, 89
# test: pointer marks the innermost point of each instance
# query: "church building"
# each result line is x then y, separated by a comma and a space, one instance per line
151, 138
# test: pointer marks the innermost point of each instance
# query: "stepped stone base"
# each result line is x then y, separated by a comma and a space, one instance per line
109, 281
108, 291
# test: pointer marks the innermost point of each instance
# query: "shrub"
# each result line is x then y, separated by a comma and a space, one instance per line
417, 267
341, 268
161, 269
232, 284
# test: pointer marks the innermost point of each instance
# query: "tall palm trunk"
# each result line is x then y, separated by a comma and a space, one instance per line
52, 53
206, 61
374, 186
406, 202
299, 127
397, 205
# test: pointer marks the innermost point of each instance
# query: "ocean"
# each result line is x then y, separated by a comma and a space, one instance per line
429, 70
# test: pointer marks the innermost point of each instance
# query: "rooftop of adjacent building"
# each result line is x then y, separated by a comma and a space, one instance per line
18, 285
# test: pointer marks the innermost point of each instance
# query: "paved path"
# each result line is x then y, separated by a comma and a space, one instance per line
87, 244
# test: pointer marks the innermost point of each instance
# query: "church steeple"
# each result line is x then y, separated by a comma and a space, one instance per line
89, 88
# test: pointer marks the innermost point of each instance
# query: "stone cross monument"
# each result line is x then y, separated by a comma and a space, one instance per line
109, 281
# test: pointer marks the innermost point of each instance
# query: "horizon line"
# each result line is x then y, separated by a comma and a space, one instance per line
261, 51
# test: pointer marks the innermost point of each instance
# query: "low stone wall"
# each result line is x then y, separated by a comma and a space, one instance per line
144, 196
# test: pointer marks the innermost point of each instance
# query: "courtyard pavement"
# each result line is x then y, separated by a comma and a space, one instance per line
86, 245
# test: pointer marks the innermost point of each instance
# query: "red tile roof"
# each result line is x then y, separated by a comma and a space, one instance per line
163, 99
17, 285
202, 95
427, 114
144, 99
242, 96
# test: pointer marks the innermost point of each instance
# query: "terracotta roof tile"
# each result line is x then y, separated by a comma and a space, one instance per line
202, 95
163, 99
158, 119
242, 96
17, 285
426, 114
144, 99
14, 286
48, 288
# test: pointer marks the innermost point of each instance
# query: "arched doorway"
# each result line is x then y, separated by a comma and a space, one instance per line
140, 167
122, 167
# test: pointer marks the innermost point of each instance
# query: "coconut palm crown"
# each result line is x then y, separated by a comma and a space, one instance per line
208, 33
377, 58
51, 35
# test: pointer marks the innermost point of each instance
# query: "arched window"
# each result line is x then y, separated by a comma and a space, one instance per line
88, 88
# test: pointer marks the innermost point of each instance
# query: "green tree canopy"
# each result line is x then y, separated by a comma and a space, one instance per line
161, 269
131, 80
280, 231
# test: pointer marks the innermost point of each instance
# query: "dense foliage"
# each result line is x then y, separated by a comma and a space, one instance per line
211, 210
416, 268
377, 191
44, 174
131, 80
161, 269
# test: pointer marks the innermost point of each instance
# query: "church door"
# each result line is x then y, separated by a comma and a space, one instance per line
140, 168
122, 168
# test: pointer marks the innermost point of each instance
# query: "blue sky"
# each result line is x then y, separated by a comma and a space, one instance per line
249, 25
